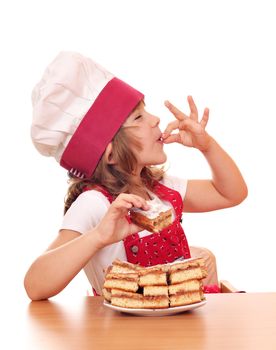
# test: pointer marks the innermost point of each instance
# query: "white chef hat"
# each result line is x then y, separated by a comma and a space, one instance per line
78, 106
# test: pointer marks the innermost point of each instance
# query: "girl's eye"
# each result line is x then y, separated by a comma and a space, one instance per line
138, 117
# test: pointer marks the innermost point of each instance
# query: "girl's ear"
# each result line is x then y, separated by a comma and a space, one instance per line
108, 154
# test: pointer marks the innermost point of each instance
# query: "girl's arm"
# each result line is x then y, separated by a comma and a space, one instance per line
51, 272
227, 186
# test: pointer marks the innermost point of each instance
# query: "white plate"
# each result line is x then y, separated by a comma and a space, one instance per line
156, 312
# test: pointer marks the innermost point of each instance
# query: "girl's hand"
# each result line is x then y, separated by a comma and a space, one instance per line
114, 226
191, 131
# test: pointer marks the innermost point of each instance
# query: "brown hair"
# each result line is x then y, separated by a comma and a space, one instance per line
116, 178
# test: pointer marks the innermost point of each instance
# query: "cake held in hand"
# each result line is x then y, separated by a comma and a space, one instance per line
158, 217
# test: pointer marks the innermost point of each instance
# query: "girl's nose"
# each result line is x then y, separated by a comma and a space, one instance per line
154, 121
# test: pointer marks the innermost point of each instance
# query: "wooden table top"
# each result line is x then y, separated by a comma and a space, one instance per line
227, 321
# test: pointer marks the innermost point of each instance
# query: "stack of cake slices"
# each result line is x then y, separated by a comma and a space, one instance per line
158, 287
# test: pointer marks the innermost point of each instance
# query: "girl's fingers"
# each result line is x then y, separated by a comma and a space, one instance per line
205, 118
121, 206
179, 115
134, 228
170, 128
175, 111
187, 124
139, 202
130, 200
172, 138
193, 108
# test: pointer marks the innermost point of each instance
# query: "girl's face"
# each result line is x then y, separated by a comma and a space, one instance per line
145, 128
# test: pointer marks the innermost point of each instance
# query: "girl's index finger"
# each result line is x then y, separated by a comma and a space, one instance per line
170, 128
175, 111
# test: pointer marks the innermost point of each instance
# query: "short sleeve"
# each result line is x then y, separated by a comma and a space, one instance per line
86, 212
176, 184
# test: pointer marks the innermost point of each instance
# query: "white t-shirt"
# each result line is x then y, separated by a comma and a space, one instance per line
87, 211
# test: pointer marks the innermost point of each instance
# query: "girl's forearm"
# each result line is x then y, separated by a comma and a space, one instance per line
52, 271
226, 176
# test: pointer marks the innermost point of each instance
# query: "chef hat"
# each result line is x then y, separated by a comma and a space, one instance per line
78, 107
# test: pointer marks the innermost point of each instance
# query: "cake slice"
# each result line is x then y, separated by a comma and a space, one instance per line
153, 276
138, 301
186, 286
119, 266
156, 302
151, 291
126, 299
124, 281
156, 297
158, 217
107, 294
187, 270
186, 298
192, 262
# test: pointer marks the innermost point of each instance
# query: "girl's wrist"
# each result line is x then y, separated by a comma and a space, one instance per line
209, 146
94, 237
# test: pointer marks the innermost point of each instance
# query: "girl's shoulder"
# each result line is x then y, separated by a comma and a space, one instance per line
91, 196
86, 211
88, 203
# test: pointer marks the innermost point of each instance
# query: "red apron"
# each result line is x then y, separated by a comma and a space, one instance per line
162, 247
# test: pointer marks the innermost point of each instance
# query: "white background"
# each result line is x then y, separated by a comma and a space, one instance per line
221, 52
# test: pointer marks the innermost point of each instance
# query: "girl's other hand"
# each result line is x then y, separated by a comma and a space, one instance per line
114, 226
191, 131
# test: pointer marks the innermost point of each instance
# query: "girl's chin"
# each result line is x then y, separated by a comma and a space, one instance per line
160, 161
164, 158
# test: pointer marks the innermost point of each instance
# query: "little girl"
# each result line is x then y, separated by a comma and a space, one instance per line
97, 127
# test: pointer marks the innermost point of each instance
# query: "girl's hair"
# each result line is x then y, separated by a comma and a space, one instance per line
115, 178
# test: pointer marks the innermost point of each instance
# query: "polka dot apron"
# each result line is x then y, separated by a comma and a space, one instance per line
162, 247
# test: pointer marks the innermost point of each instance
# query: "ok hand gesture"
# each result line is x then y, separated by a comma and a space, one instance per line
191, 131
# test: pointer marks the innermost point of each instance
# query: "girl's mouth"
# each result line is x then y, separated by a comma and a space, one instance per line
160, 140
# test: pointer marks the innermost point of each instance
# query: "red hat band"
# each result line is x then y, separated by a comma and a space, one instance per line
98, 127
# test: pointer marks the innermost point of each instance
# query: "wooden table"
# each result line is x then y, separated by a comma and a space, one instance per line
227, 321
